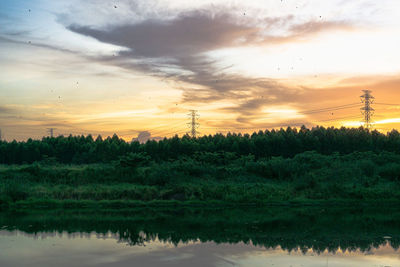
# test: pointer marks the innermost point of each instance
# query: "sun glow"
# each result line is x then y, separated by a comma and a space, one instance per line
242, 65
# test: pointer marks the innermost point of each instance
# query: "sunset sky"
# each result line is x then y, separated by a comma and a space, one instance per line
131, 66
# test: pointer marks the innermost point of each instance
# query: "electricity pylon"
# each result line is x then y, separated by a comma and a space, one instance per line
51, 131
193, 124
367, 111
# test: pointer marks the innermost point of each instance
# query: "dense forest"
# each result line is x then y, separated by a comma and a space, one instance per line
263, 144
342, 165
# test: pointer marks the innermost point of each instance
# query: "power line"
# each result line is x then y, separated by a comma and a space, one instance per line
238, 128
387, 104
173, 132
176, 132
163, 131
248, 128
331, 108
194, 127
170, 132
162, 126
342, 118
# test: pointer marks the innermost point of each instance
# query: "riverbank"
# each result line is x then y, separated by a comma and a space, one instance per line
308, 178
104, 205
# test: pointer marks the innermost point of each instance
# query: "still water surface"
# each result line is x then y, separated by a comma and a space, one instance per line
198, 237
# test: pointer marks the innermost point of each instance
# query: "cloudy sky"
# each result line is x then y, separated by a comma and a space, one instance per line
136, 66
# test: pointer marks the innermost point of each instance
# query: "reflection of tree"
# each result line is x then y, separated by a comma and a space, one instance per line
297, 229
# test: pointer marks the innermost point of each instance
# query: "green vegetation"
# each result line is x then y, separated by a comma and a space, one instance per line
206, 177
264, 144
319, 228
303, 166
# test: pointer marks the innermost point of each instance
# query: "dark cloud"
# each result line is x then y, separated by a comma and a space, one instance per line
18, 33
175, 49
6, 110
34, 44
196, 32
55, 123
144, 136
189, 33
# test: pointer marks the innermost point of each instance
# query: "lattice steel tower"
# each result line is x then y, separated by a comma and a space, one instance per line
193, 124
367, 111
51, 131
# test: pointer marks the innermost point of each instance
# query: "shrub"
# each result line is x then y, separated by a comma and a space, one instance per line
390, 171
134, 160
14, 189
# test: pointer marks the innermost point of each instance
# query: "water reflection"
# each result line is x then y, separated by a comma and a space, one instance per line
202, 237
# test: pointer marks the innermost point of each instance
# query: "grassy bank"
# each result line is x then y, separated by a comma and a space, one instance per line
205, 179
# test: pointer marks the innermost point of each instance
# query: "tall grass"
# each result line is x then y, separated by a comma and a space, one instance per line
306, 176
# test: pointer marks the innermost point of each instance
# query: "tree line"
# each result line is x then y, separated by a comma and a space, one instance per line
263, 144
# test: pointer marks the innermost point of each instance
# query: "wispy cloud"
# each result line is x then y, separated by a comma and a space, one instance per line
209, 51
176, 49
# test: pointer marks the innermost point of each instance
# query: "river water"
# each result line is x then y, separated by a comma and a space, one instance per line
202, 237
